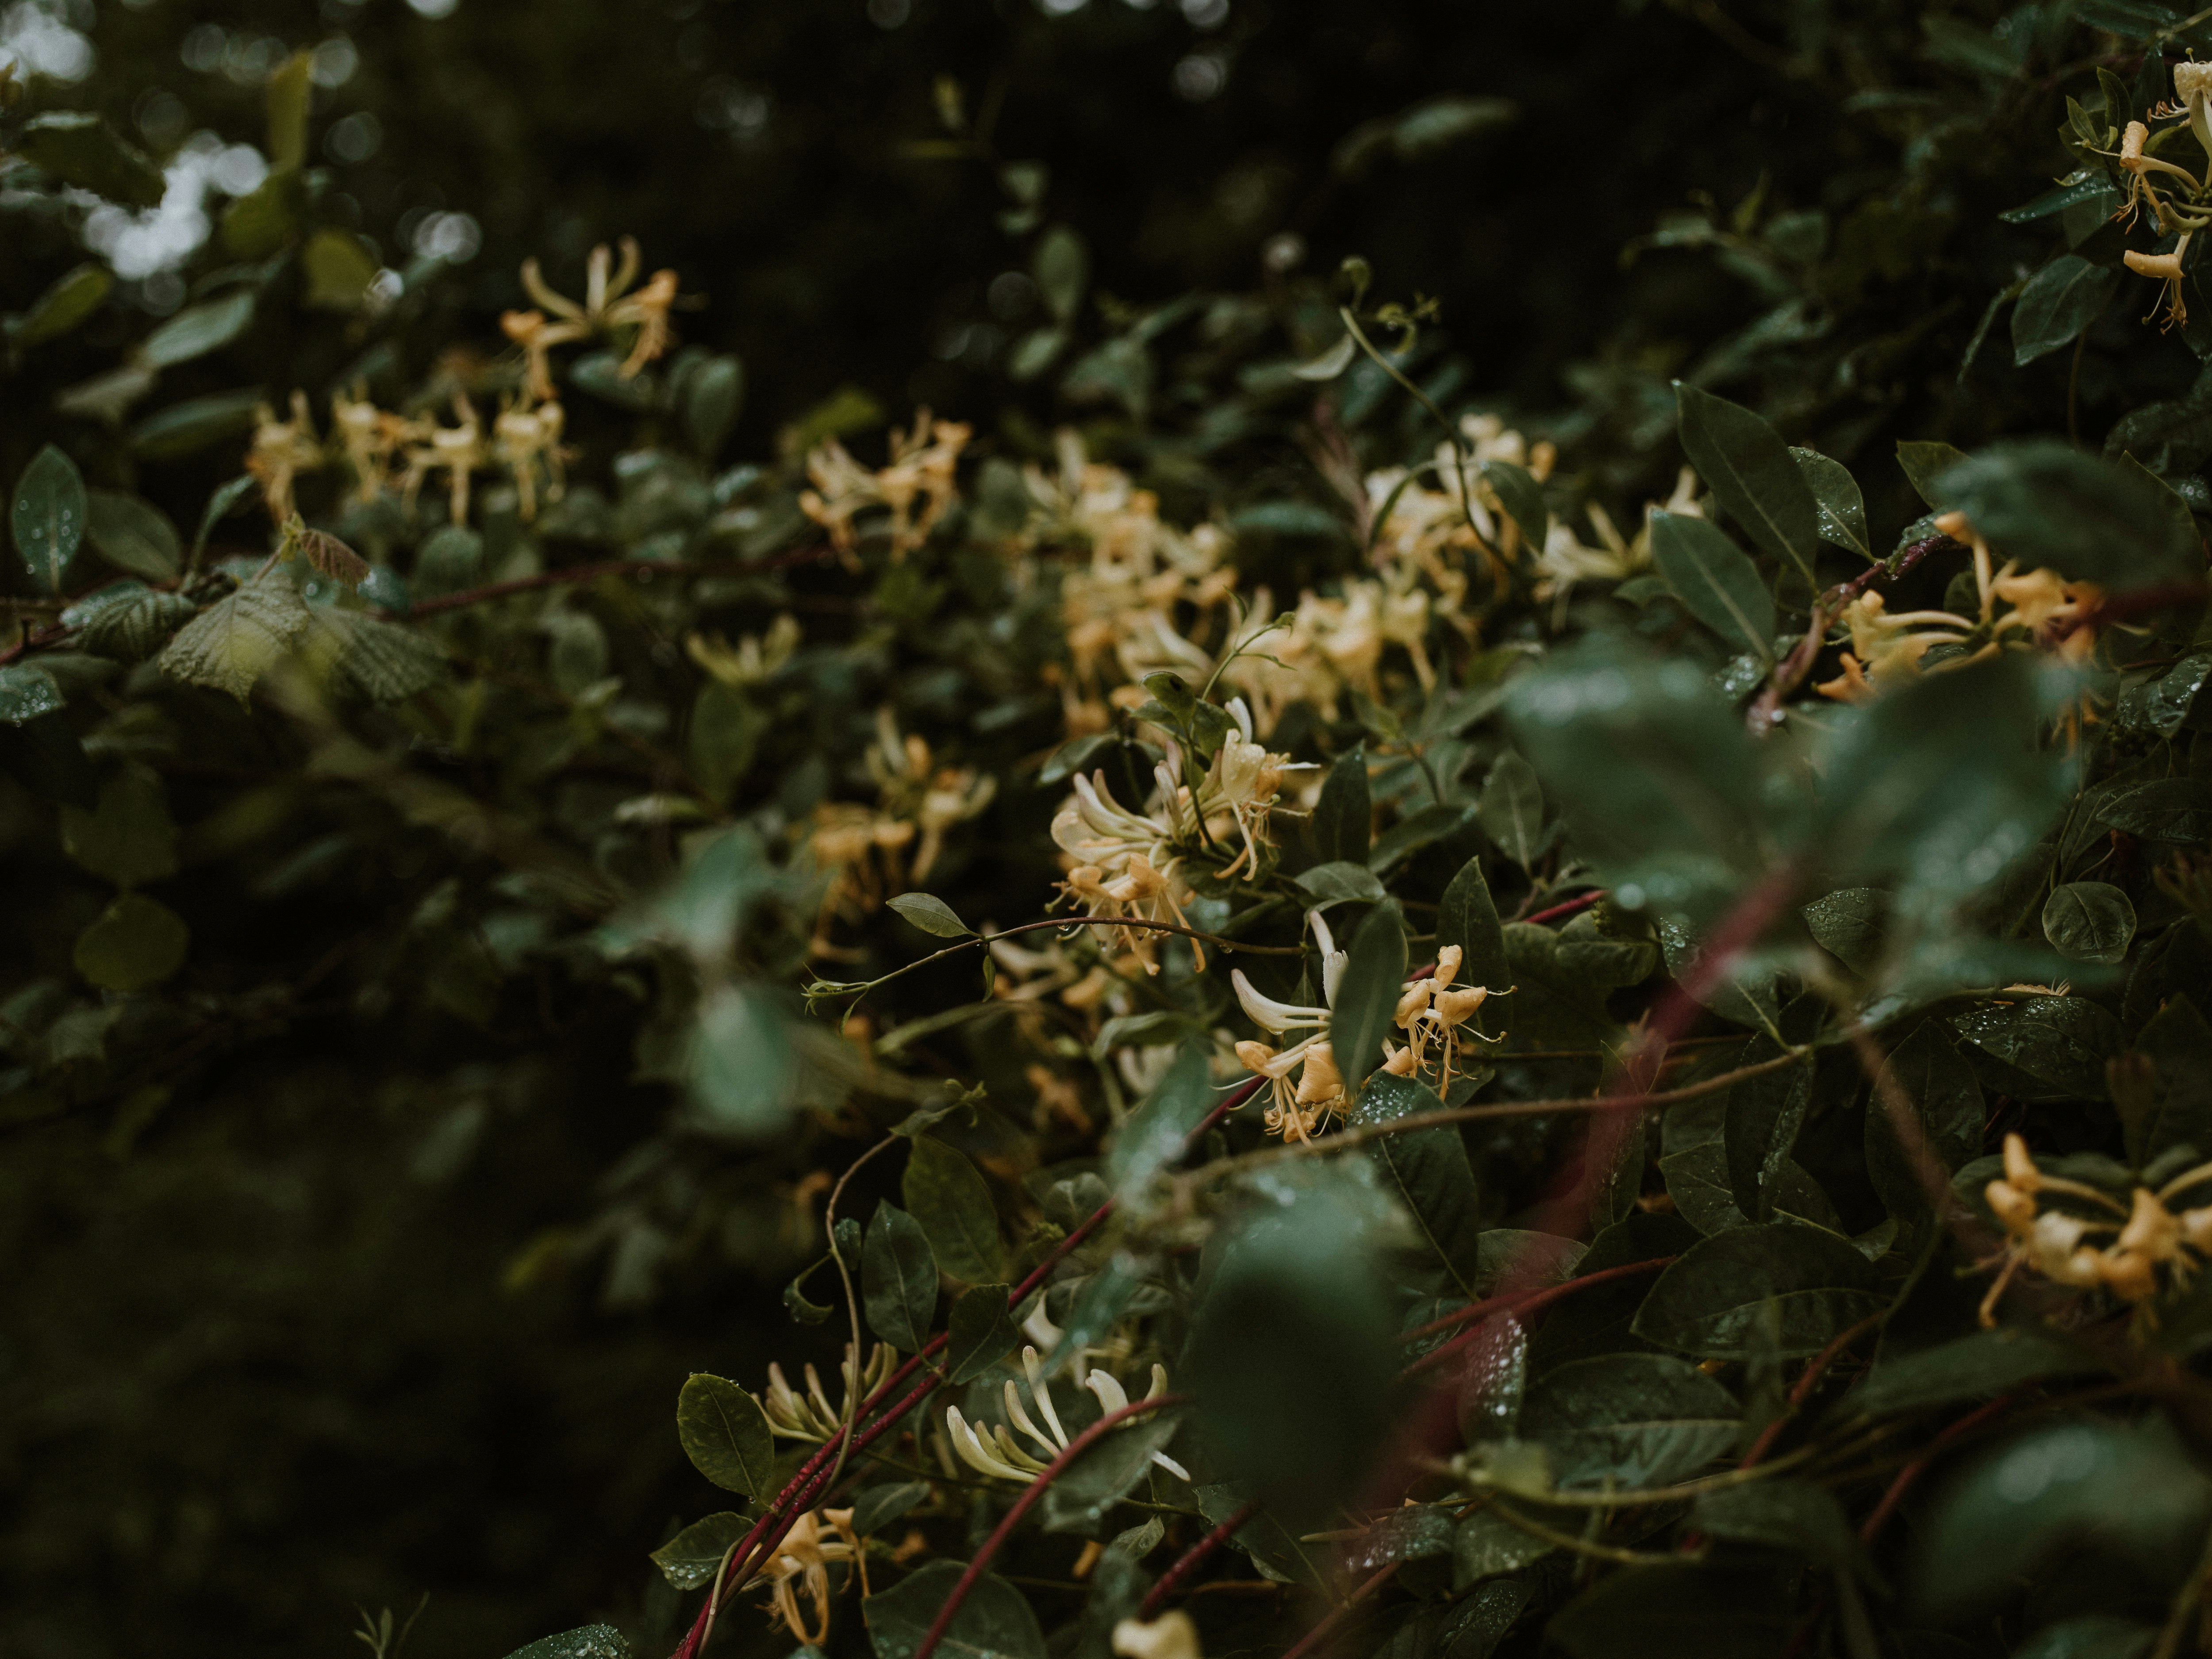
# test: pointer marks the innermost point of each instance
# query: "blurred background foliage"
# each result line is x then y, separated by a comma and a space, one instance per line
271, 1345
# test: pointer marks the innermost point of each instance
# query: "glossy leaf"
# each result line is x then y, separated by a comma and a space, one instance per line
1344, 817
994, 1622
952, 1203
2060, 300
1704, 1305
983, 1333
898, 1280
1512, 809
693, 1556
1636, 1420
1079, 1498
1715, 581
1753, 475
1367, 997
726, 1435
2089, 921
1843, 508
47, 517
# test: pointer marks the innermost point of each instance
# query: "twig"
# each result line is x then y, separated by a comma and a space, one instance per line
1805, 1385
1528, 1301
1573, 906
1191, 1559
1910, 1474
1327, 1627
1005, 1529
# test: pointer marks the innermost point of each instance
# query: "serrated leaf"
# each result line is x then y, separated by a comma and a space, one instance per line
932, 914
133, 535
127, 620
1752, 475
899, 1279
47, 517
693, 1556
1718, 585
234, 642
371, 660
726, 1435
327, 554
952, 1201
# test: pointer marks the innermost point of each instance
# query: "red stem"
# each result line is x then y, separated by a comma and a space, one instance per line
1580, 902
1805, 1385
1320, 1632
1192, 1559
1528, 1301
806, 1485
1005, 1529
1907, 1476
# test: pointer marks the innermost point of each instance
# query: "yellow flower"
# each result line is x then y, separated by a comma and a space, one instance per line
1171, 1635
281, 450
816, 1539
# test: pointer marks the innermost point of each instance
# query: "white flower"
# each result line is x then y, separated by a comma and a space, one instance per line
1000, 1455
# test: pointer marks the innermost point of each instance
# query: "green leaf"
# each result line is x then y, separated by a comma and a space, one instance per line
1637, 1420
339, 267
741, 1069
1763, 1116
2133, 1487
1925, 460
952, 1202
1078, 1498
932, 914
47, 517
875, 1507
265, 220
983, 1333
1292, 1352
1344, 817
1784, 1513
1751, 474
1428, 1169
2043, 502
198, 330
2178, 810
1707, 1302
724, 1433
2059, 301
1061, 265
2179, 1045
711, 403
1466, 916
234, 642
368, 660
1510, 810
693, 1556
590, 1642
1979, 1365
994, 1622
1521, 496
2062, 1042
129, 838
1687, 1612
1336, 883
68, 301
1152, 1137
26, 691
2090, 1635
186, 427
135, 943
225, 501
1715, 581
2161, 705
898, 1280
291, 86
1947, 1116
82, 150
133, 535
1843, 508
1367, 996
2089, 921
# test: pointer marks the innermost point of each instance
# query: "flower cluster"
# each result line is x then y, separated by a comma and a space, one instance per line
1298, 1109
2044, 609
2145, 1233
808, 1416
1000, 1455
802, 1560
914, 489
1430, 1014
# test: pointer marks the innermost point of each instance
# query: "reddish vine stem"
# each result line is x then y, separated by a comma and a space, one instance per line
1803, 1389
1574, 906
1790, 673
1327, 1627
1527, 1302
1909, 1475
1005, 1529
1192, 1559
759, 1544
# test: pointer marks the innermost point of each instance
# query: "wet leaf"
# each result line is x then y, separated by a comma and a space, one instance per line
47, 517
726, 1435
952, 1203
1753, 475
1705, 1302
693, 1556
898, 1280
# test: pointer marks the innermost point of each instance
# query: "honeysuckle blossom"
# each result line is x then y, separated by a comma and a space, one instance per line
1171, 1635
810, 1417
802, 1561
754, 659
279, 451
915, 489
526, 439
1430, 1013
369, 437
1299, 1108
2146, 1233
999, 1454
608, 305
457, 451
